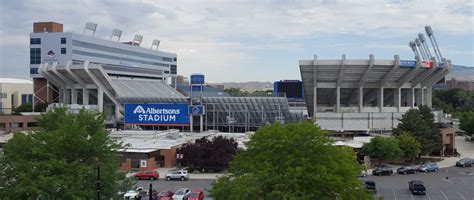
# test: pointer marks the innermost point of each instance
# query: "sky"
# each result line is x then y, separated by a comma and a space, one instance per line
249, 40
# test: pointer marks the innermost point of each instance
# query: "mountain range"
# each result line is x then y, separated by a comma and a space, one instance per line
459, 72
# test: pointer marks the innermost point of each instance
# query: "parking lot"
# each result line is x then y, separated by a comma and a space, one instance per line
192, 184
452, 183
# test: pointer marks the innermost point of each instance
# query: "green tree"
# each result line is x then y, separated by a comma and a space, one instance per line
409, 145
294, 161
60, 160
26, 107
433, 135
467, 123
383, 148
420, 124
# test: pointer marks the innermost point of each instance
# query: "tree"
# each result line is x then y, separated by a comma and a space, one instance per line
61, 159
467, 123
209, 154
410, 147
26, 107
294, 161
420, 124
383, 148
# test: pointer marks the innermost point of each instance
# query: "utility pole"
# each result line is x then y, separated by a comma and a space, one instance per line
150, 191
98, 182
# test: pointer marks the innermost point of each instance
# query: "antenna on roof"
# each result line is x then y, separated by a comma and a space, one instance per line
155, 43
117, 33
137, 39
90, 26
430, 34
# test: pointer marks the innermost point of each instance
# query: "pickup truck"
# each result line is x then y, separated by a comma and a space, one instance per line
417, 187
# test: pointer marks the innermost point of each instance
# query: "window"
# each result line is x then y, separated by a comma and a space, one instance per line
63, 50
26, 98
63, 40
35, 40
175, 59
167, 59
35, 56
167, 72
33, 70
174, 69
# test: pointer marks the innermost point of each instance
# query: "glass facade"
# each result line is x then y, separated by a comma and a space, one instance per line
35, 55
35, 40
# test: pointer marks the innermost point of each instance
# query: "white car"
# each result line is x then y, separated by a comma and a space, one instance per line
130, 194
177, 175
181, 194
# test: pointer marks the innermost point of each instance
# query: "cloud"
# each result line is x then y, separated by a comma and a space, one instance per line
214, 36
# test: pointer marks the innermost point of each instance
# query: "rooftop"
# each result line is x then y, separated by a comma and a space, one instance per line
15, 80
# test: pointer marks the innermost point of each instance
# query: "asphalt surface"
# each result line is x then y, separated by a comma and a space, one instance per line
163, 184
459, 185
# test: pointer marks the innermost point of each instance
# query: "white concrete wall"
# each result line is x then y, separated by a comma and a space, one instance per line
15, 89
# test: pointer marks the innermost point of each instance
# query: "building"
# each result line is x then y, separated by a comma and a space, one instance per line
367, 94
460, 84
149, 150
50, 46
14, 93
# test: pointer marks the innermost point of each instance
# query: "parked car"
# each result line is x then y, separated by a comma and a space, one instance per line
149, 175
428, 167
182, 194
165, 195
382, 170
407, 170
130, 194
370, 186
196, 195
465, 162
177, 175
416, 187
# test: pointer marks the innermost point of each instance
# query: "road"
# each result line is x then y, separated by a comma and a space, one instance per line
162, 184
452, 183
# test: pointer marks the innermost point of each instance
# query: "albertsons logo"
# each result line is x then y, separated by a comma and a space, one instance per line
139, 110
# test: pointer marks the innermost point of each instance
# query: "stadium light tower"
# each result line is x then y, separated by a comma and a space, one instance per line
155, 43
412, 44
137, 39
424, 45
430, 34
90, 26
422, 52
117, 33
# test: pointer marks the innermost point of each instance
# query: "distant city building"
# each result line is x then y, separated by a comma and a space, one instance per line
460, 84
49, 45
14, 93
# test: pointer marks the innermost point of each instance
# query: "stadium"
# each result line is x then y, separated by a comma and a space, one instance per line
123, 80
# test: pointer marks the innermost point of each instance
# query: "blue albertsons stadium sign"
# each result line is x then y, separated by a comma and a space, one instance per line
157, 114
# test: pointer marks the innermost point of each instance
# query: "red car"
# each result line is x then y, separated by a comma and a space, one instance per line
150, 175
196, 195
165, 195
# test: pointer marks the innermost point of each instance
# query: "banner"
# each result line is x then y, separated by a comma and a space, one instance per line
157, 114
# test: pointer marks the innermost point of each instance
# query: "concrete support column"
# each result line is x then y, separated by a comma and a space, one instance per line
74, 96
423, 96
63, 95
85, 96
191, 128
338, 99
117, 112
397, 98
360, 99
100, 99
380, 98
201, 123
429, 96
315, 87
